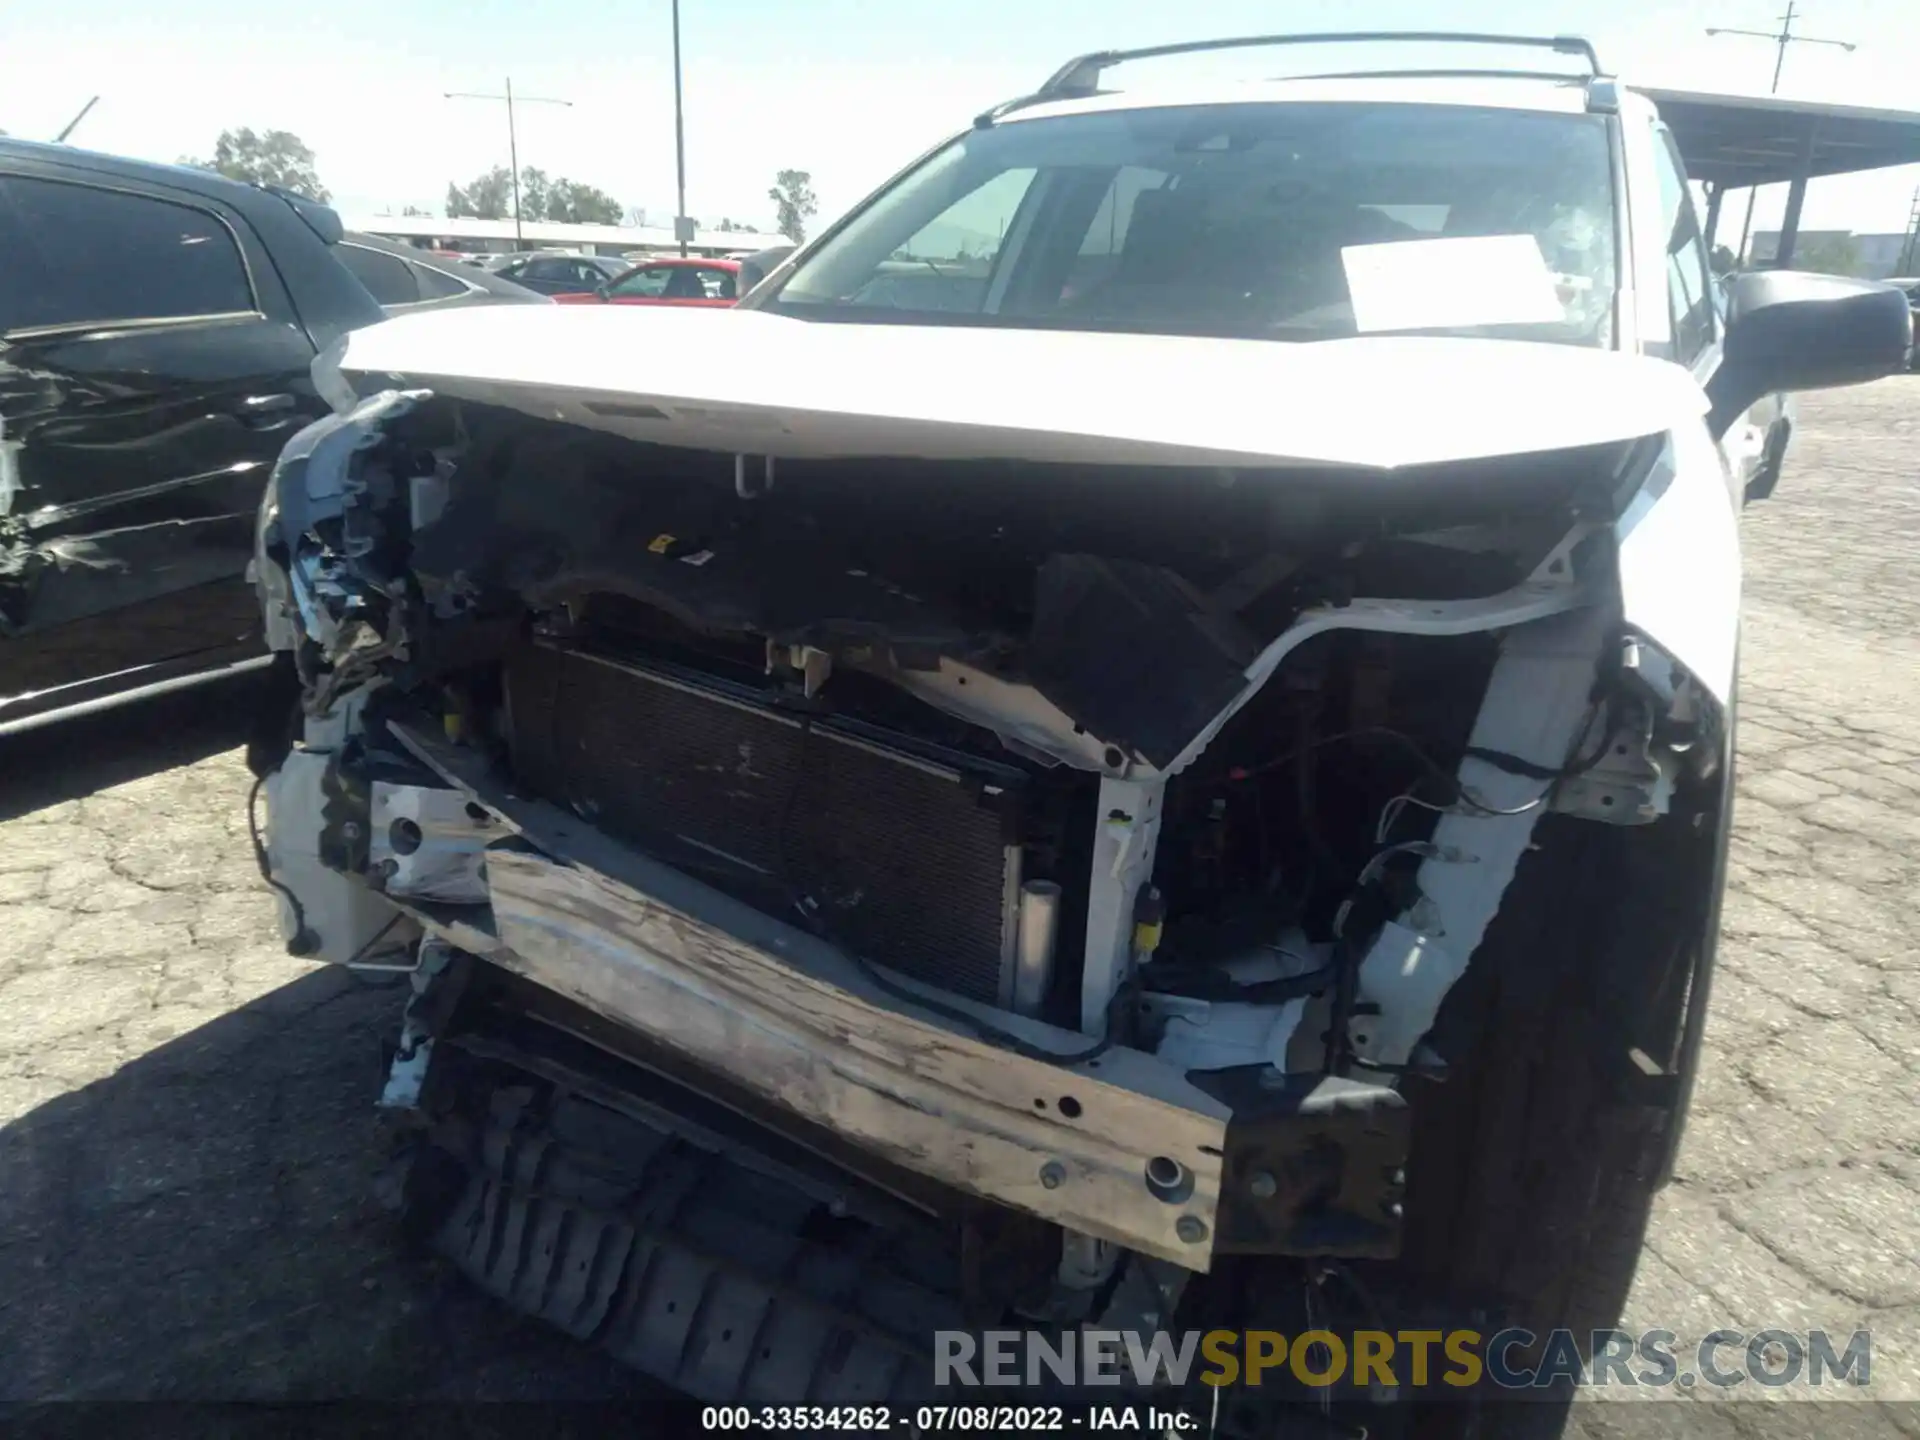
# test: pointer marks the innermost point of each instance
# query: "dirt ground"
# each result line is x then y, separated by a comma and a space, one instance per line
188, 1143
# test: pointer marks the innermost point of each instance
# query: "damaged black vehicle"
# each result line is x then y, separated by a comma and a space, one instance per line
158, 327
1140, 739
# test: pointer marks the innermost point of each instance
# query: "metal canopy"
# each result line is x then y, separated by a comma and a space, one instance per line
1730, 141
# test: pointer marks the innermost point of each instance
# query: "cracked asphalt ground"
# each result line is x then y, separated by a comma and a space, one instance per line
188, 1146
188, 1149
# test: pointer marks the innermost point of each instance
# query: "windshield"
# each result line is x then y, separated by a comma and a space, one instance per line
1297, 221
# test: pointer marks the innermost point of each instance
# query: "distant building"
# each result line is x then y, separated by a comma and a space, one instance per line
497, 236
1879, 255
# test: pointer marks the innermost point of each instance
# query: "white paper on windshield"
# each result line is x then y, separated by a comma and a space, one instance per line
1451, 283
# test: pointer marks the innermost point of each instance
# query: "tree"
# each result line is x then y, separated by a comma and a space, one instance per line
542, 197
535, 190
488, 198
794, 202
411, 212
1831, 254
279, 157
576, 203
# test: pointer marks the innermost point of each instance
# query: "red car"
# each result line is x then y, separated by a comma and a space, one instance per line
710, 283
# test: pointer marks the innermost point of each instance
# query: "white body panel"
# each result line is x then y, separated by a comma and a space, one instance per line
1679, 560
749, 382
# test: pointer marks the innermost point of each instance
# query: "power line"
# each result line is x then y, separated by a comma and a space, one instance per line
1783, 39
513, 139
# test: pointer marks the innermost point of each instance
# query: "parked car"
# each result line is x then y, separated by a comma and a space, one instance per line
405, 279
709, 283
157, 328
1174, 774
561, 274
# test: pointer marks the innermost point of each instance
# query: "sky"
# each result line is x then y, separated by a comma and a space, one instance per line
849, 90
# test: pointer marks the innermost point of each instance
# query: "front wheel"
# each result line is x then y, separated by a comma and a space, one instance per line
1571, 1041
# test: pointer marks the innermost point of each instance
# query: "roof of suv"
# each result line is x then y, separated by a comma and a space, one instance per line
297, 232
1079, 86
209, 183
1504, 91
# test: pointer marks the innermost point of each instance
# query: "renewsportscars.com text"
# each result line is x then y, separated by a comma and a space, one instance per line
1511, 1359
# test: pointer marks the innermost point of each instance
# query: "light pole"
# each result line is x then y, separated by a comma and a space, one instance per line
513, 141
1785, 38
680, 226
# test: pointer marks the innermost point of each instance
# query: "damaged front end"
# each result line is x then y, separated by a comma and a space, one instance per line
1069, 857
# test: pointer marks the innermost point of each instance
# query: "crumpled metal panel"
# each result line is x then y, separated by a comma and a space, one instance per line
312, 481
673, 1259
430, 843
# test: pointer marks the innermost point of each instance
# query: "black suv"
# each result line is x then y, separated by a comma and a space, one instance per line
156, 329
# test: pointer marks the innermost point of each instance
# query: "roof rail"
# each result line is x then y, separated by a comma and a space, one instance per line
1603, 91
1081, 75
1443, 72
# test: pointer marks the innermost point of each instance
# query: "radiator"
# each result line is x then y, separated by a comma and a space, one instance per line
910, 862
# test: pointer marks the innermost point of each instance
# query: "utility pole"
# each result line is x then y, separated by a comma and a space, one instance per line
680, 225
1783, 39
513, 141
1912, 244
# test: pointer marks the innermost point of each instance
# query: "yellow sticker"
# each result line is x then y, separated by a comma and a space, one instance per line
660, 544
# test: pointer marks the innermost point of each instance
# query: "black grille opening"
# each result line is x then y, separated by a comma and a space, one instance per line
908, 863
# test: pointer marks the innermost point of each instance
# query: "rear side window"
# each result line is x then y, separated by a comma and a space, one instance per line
685, 283
1106, 234
87, 255
947, 264
388, 278
648, 284
437, 284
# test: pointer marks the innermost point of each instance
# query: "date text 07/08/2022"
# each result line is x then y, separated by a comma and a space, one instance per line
936, 1419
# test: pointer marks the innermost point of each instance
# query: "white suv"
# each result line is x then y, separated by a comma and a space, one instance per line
1140, 738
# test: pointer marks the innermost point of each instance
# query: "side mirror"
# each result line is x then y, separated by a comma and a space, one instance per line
757, 267
1788, 330
602, 290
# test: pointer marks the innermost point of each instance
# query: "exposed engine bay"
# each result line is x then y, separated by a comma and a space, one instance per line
1096, 841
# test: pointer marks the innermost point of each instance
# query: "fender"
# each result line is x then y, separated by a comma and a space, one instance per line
1677, 548
1693, 1025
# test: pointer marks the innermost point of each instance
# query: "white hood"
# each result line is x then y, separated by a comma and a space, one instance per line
746, 381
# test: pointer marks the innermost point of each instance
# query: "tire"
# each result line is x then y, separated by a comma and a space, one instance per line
1536, 1161
1766, 478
